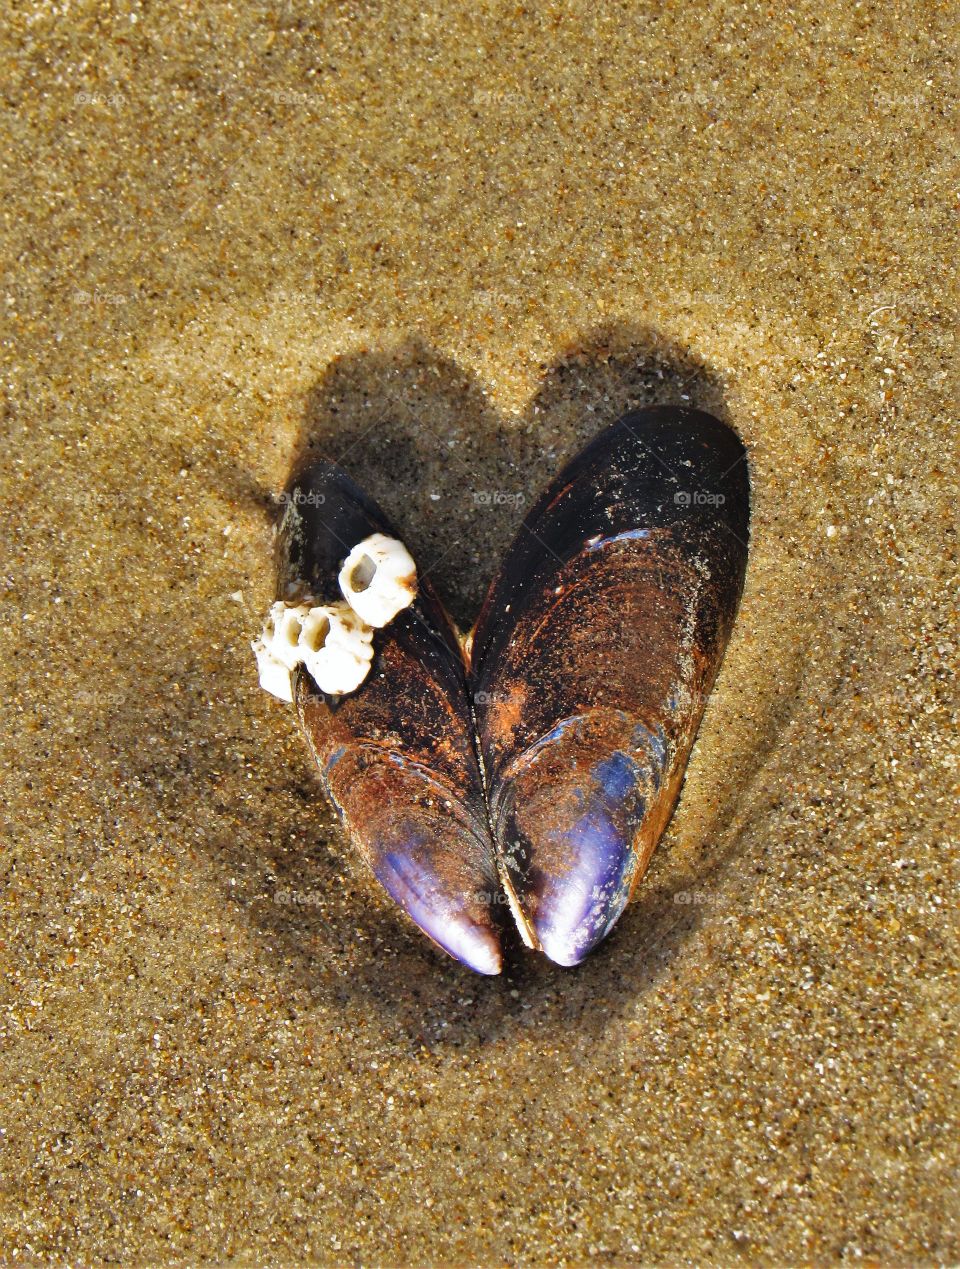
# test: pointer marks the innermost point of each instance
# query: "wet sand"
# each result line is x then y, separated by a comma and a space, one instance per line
449, 246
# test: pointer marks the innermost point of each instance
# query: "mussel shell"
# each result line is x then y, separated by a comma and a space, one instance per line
592, 658
397, 756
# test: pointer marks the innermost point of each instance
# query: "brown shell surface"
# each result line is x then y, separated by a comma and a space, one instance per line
397, 756
551, 766
595, 654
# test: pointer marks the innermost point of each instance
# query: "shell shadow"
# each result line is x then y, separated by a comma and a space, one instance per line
420, 435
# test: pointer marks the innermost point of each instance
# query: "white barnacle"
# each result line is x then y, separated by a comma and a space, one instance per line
336, 647
278, 648
332, 643
275, 677
379, 579
285, 624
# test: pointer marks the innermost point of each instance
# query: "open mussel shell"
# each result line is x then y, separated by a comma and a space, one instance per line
396, 756
592, 660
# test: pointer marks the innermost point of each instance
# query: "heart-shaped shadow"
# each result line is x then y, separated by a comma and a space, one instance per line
422, 437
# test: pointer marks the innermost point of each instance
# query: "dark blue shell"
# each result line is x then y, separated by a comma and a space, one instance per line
550, 763
593, 657
397, 756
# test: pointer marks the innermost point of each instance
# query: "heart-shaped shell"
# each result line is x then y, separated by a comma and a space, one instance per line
541, 760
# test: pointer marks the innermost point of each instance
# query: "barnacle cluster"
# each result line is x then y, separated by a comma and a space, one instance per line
334, 642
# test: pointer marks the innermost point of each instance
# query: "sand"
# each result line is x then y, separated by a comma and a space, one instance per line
450, 243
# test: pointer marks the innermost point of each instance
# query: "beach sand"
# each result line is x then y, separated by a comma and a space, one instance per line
449, 243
